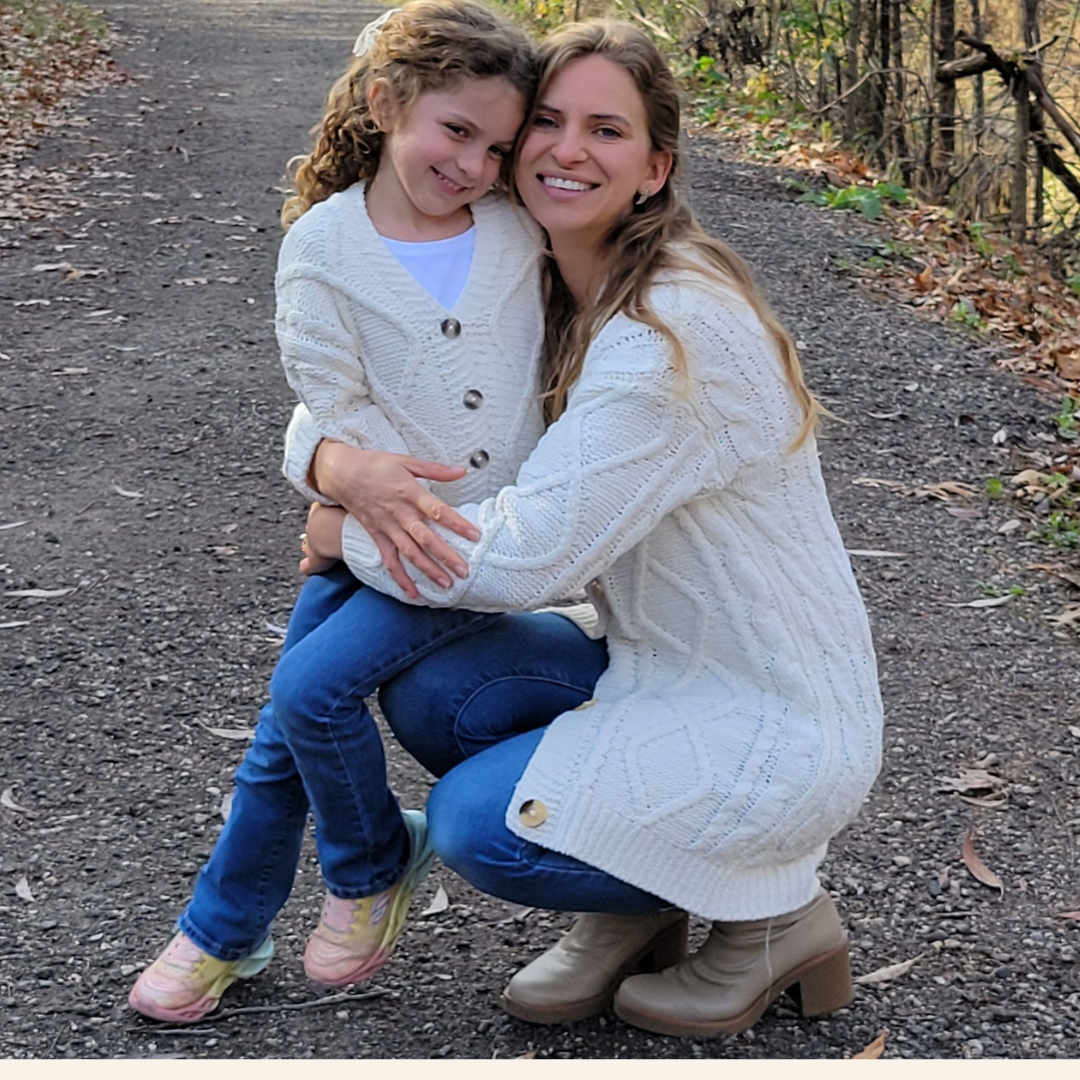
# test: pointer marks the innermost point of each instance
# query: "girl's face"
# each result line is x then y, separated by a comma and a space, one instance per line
588, 152
440, 155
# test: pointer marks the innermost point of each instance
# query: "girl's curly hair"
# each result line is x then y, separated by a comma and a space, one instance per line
425, 46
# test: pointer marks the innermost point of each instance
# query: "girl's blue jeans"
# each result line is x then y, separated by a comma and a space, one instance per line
467, 694
317, 747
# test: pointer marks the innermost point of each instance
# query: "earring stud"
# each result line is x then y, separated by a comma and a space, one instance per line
643, 196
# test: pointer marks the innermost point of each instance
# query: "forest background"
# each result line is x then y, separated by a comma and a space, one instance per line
953, 124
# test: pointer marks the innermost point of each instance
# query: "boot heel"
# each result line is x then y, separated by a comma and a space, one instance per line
668, 948
827, 985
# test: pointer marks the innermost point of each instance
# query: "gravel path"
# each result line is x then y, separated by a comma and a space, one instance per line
140, 427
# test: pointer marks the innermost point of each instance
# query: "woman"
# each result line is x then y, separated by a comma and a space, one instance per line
737, 726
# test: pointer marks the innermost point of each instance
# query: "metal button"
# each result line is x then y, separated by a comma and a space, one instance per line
472, 399
451, 328
533, 813
479, 459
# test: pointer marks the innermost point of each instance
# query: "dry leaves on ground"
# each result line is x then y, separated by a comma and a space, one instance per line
978, 787
874, 1050
50, 53
888, 973
979, 870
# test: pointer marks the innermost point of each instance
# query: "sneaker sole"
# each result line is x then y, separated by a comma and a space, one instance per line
196, 1010
421, 860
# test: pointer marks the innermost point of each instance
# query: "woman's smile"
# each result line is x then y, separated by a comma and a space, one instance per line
587, 154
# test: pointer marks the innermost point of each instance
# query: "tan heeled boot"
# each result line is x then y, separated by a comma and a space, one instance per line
742, 967
577, 976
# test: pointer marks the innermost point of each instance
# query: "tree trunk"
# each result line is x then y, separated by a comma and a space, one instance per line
852, 112
903, 154
1035, 114
979, 118
1018, 197
945, 48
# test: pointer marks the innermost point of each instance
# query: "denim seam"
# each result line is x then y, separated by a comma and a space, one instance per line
507, 678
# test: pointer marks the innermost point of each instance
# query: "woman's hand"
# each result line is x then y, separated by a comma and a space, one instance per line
380, 490
321, 540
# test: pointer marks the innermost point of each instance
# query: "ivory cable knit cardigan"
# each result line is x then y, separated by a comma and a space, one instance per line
738, 726
379, 363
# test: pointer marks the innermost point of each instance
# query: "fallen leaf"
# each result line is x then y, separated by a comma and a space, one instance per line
874, 481
973, 780
230, 733
40, 594
873, 1051
979, 870
7, 798
72, 371
986, 601
945, 489
989, 802
966, 513
1069, 915
13, 525
870, 553
887, 974
127, 494
22, 890
1065, 618
440, 903
527, 1056
12, 625
1010, 526
924, 281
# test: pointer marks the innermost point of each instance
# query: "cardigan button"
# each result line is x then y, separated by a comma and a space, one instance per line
479, 459
472, 399
533, 813
451, 328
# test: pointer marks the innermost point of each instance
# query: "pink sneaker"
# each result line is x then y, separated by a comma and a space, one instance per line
185, 983
354, 938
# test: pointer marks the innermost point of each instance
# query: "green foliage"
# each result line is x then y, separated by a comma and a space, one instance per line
869, 201
995, 489
1074, 284
965, 313
1060, 529
1067, 420
977, 232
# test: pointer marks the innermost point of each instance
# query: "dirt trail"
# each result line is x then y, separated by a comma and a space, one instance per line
140, 425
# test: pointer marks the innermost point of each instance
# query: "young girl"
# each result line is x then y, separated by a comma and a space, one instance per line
409, 319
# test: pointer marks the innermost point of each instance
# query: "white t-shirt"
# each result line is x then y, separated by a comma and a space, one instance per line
440, 266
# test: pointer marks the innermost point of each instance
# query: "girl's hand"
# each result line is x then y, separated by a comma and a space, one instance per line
321, 541
380, 490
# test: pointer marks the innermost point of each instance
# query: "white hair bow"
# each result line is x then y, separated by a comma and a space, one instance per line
367, 36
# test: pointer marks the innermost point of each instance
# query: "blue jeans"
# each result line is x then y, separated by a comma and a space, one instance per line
473, 713
317, 747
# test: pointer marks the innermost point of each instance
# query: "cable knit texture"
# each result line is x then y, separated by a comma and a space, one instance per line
366, 347
738, 726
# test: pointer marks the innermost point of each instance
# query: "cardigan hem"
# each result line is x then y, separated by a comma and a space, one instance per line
606, 840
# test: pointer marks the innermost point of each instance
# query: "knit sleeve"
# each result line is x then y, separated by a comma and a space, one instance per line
319, 354
631, 448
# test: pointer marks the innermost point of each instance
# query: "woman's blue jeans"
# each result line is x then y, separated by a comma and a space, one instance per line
317, 747
473, 713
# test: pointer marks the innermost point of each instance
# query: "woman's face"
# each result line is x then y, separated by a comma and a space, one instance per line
588, 152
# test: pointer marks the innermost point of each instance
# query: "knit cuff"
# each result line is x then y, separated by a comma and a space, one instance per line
357, 547
302, 439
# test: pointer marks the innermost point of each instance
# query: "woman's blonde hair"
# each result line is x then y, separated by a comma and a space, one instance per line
641, 244
425, 46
